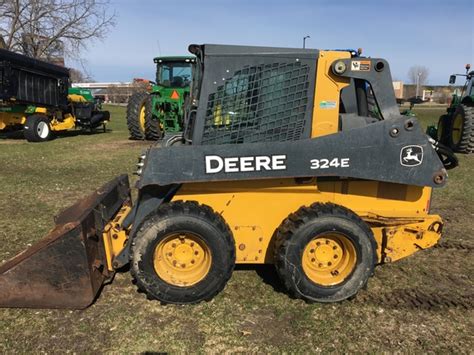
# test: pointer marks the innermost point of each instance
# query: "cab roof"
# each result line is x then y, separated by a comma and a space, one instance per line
174, 59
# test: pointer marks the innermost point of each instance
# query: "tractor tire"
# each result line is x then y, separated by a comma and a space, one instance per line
153, 129
461, 137
136, 115
37, 129
443, 129
183, 253
324, 253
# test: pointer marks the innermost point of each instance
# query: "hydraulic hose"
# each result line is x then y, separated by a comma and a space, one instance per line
447, 156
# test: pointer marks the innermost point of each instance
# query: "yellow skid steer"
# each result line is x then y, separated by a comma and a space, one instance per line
283, 161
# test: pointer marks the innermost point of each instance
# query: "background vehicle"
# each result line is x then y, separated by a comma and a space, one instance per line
281, 163
152, 114
35, 97
456, 127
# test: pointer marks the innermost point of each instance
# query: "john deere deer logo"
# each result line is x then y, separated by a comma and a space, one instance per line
411, 155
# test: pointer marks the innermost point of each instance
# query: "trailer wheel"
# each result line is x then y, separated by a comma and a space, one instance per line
324, 253
461, 137
37, 129
183, 253
136, 115
153, 126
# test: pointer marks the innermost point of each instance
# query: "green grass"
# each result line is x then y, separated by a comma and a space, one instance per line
252, 314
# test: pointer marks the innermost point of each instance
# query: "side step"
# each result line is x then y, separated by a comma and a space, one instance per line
67, 268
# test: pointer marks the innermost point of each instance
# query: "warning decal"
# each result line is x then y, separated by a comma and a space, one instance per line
360, 65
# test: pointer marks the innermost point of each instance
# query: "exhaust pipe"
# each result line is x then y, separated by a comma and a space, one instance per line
68, 267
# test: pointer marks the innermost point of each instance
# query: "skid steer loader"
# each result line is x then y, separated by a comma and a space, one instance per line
280, 163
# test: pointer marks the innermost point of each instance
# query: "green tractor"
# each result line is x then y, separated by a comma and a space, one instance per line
160, 110
456, 127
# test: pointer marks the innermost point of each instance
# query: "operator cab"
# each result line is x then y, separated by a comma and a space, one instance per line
174, 72
468, 88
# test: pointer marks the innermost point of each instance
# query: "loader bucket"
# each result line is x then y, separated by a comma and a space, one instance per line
67, 268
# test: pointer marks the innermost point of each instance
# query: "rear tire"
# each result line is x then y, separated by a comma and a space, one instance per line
461, 135
136, 114
184, 253
324, 253
37, 129
153, 129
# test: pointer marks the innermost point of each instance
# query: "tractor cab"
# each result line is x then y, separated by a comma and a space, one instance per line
174, 72
468, 88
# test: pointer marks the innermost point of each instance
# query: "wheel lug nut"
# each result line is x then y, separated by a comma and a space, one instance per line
174, 262
311, 251
327, 241
192, 261
334, 247
335, 273
196, 253
183, 265
173, 245
313, 260
335, 256
329, 263
170, 254
192, 244
320, 265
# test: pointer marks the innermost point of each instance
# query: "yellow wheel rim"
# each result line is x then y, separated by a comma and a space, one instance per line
329, 259
182, 259
457, 128
141, 118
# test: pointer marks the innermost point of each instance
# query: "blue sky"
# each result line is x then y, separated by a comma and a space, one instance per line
436, 34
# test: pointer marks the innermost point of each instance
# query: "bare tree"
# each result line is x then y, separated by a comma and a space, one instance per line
78, 76
418, 74
46, 28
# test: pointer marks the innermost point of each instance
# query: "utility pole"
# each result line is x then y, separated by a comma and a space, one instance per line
304, 41
418, 85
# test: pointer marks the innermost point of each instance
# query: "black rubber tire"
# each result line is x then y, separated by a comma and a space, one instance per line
134, 106
466, 144
177, 217
443, 129
300, 228
31, 129
152, 124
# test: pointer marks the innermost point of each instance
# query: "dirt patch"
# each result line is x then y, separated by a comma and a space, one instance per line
267, 328
413, 299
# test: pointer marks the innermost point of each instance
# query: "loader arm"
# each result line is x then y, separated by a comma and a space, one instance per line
356, 153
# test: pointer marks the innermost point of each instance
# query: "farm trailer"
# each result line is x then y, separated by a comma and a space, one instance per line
35, 97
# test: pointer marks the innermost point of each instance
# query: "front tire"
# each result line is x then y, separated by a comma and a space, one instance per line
461, 137
37, 129
153, 129
184, 253
324, 253
442, 131
136, 115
